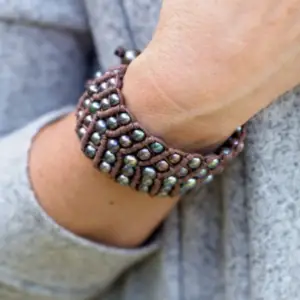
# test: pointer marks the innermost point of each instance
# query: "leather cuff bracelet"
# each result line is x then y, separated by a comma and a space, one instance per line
120, 146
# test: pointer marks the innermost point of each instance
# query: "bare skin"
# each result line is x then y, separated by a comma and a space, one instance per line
209, 68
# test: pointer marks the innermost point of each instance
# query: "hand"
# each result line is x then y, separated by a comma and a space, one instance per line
213, 65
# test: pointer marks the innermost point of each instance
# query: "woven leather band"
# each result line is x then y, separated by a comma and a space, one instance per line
121, 147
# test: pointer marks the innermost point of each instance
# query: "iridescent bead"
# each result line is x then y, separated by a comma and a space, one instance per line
94, 107
114, 99
112, 123
129, 56
98, 74
105, 104
100, 126
162, 166
80, 113
147, 181
105, 167
234, 142
174, 158
239, 129
96, 138
213, 164
128, 171
144, 154
190, 184
92, 89
208, 179
90, 151
109, 157
226, 151
170, 181
202, 173
123, 180
144, 188
194, 163
87, 120
183, 172
125, 141
112, 82
138, 135
103, 86
149, 172
157, 147
113, 145
87, 103
124, 118
130, 160
81, 132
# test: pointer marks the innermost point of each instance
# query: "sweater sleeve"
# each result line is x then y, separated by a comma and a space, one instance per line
38, 258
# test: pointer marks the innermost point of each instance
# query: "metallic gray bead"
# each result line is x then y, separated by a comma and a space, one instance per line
194, 163
166, 189
149, 172
80, 113
109, 157
81, 132
90, 151
163, 194
112, 82
208, 179
125, 141
130, 160
87, 103
174, 158
100, 126
124, 118
144, 154
235, 142
214, 163
113, 146
98, 74
94, 107
92, 89
239, 129
202, 173
147, 181
138, 135
226, 151
112, 123
190, 184
128, 171
105, 167
170, 181
105, 104
87, 120
123, 180
157, 147
183, 172
144, 188
96, 138
103, 86
114, 99
162, 166
129, 56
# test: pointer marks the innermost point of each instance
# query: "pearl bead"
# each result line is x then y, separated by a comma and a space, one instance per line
125, 141
129, 56
105, 104
190, 184
87, 120
157, 147
239, 129
100, 126
124, 118
208, 179
127, 171
144, 188
80, 113
112, 82
240, 147
162, 166
163, 194
226, 151
90, 151
87, 103
194, 163
235, 142
130, 160
123, 180
114, 99
96, 138
94, 107
105, 167
202, 173
183, 172
214, 163
98, 74
144, 154
81, 132
138, 135
109, 157
174, 158
149, 172
170, 181
103, 86
113, 146
112, 123
92, 89
147, 181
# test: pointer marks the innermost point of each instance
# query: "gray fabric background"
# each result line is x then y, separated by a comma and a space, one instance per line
236, 239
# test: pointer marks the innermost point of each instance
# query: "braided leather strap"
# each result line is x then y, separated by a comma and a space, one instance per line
120, 146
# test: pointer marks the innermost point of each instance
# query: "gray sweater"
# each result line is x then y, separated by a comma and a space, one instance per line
236, 239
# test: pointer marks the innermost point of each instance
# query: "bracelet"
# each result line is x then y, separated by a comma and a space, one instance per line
119, 145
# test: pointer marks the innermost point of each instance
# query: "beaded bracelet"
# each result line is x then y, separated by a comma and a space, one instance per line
119, 145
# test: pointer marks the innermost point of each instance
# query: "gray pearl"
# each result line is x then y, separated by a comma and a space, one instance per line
226, 151
170, 181
109, 157
162, 166
96, 138
87, 103
114, 99
194, 163
112, 82
235, 142
157, 147
144, 188
214, 163
81, 132
125, 141
123, 180
90, 151
208, 179
129, 56
239, 129
128, 171
202, 173
166, 189
105, 104
149, 172
101, 126
112, 123
163, 194
174, 158
103, 86
190, 184
138, 135
98, 74
147, 181
87, 120
130, 160
94, 107
105, 167
144, 154
80, 114
183, 172
92, 89
124, 118
113, 146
